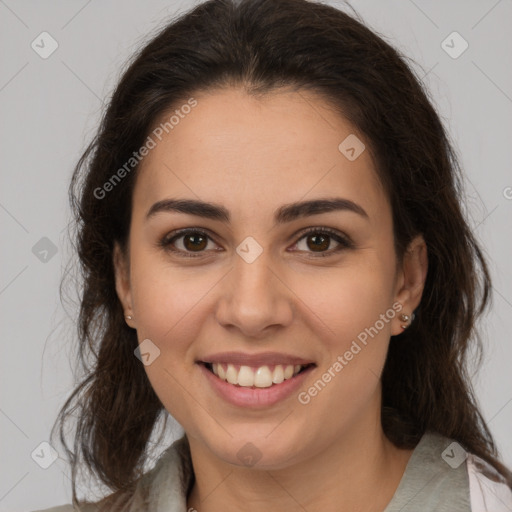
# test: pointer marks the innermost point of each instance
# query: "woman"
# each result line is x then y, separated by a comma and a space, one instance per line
274, 253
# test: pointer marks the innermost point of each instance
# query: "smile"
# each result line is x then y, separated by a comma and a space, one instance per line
255, 380
259, 377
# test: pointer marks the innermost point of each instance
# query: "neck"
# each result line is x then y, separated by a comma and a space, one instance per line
360, 471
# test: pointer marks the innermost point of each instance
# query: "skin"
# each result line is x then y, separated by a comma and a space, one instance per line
252, 156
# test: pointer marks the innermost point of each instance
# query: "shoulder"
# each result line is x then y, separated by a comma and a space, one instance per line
488, 489
166, 482
442, 475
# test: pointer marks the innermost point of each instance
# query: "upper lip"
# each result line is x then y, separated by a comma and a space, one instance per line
263, 358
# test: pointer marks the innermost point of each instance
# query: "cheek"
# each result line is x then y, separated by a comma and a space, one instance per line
343, 302
166, 299
169, 305
354, 305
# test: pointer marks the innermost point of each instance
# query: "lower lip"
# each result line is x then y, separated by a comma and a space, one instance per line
255, 397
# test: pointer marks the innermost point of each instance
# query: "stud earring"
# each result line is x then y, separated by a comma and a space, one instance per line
128, 317
405, 318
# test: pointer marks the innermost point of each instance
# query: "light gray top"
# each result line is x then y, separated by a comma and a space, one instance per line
428, 484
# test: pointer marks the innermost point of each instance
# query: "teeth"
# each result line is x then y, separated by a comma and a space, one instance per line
288, 371
231, 374
221, 373
278, 375
261, 377
245, 376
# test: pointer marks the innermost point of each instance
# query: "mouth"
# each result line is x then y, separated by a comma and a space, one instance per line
265, 376
255, 381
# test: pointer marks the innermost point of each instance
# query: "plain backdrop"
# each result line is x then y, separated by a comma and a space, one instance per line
50, 108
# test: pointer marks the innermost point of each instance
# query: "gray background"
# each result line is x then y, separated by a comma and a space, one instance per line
49, 110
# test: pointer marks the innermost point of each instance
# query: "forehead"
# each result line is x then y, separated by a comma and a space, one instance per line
252, 153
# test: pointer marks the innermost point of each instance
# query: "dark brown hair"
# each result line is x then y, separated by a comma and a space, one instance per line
261, 46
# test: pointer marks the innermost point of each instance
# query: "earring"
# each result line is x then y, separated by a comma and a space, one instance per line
128, 317
405, 318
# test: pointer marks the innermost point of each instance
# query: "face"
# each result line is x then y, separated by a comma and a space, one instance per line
268, 323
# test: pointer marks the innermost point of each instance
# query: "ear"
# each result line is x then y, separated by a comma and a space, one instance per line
410, 281
122, 277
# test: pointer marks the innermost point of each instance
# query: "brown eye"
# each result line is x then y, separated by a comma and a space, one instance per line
318, 240
195, 241
186, 243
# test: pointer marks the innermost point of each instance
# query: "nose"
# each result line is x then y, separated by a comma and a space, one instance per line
255, 298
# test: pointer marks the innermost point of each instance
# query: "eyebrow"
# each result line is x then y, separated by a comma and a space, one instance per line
283, 214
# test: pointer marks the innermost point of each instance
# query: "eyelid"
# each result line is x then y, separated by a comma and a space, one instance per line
167, 240
338, 236
342, 239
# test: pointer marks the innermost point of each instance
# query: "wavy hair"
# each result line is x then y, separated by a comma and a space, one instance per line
261, 46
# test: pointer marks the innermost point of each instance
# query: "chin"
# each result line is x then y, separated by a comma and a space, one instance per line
266, 452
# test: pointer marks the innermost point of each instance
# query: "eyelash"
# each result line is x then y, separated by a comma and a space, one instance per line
167, 241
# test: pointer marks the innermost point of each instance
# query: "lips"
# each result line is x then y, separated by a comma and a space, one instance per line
262, 370
252, 396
